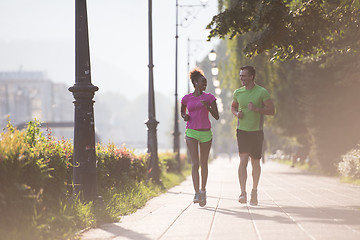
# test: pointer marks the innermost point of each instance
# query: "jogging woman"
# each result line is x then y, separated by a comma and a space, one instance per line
198, 130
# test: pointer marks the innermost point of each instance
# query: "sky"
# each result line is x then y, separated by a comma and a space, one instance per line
39, 35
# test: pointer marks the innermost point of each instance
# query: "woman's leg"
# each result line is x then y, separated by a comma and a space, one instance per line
204, 157
192, 145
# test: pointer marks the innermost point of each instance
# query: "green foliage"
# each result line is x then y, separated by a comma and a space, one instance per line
34, 176
170, 179
350, 180
350, 165
298, 165
168, 163
33, 133
329, 113
293, 29
313, 102
116, 166
128, 198
36, 200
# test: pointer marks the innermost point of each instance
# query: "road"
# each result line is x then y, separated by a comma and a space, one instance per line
293, 204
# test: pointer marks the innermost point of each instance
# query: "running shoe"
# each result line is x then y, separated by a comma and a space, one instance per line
202, 201
254, 199
242, 198
196, 197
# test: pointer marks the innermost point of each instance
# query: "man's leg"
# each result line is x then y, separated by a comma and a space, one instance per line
242, 174
242, 171
256, 171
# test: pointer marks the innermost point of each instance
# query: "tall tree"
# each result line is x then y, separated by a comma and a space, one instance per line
314, 96
293, 29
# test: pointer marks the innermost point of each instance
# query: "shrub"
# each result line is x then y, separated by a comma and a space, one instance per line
34, 176
117, 166
36, 200
168, 163
350, 164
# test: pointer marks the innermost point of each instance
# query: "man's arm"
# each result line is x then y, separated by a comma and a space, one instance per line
234, 110
268, 109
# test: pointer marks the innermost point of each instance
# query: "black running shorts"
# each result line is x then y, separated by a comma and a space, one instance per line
250, 142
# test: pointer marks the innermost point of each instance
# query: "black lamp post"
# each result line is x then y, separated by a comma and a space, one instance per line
189, 41
84, 156
151, 123
216, 84
176, 118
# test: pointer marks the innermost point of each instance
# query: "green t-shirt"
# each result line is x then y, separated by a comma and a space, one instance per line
251, 121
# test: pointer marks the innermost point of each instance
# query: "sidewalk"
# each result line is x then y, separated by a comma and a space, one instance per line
292, 205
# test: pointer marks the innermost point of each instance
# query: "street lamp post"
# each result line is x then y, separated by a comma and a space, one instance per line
176, 117
216, 83
151, 123
212, 56
189, 41
84, 157
188, 63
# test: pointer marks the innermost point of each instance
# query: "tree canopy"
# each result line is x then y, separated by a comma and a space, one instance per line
315, 88
291, 29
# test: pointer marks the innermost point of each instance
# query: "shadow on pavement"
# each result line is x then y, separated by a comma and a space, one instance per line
324, 215
245, 214
116, 230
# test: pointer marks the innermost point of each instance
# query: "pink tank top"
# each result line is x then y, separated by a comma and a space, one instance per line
199, 115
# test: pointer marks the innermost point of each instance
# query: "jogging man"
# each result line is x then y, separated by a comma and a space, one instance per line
250, 103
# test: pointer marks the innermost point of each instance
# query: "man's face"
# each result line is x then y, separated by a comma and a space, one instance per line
245, 77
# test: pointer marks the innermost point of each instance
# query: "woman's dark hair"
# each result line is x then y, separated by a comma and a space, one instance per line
195, 75
250, 69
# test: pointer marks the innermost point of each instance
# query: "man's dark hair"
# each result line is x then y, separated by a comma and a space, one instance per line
250, 69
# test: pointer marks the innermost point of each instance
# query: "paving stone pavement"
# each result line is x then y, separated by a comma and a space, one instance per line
292, 205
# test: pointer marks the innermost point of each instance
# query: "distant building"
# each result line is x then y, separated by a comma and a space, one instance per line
26, 95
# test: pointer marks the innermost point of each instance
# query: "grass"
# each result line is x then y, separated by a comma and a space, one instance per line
302, 166
350, 180
314, 169
125, 200
170, 180
283, 161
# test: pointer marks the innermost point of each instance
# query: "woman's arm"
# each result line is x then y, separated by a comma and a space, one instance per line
185, 116
212, 108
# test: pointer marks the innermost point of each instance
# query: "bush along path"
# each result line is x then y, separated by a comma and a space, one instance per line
36, 200
348, 168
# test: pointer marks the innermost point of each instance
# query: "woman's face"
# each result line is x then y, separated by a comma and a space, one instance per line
201, 84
